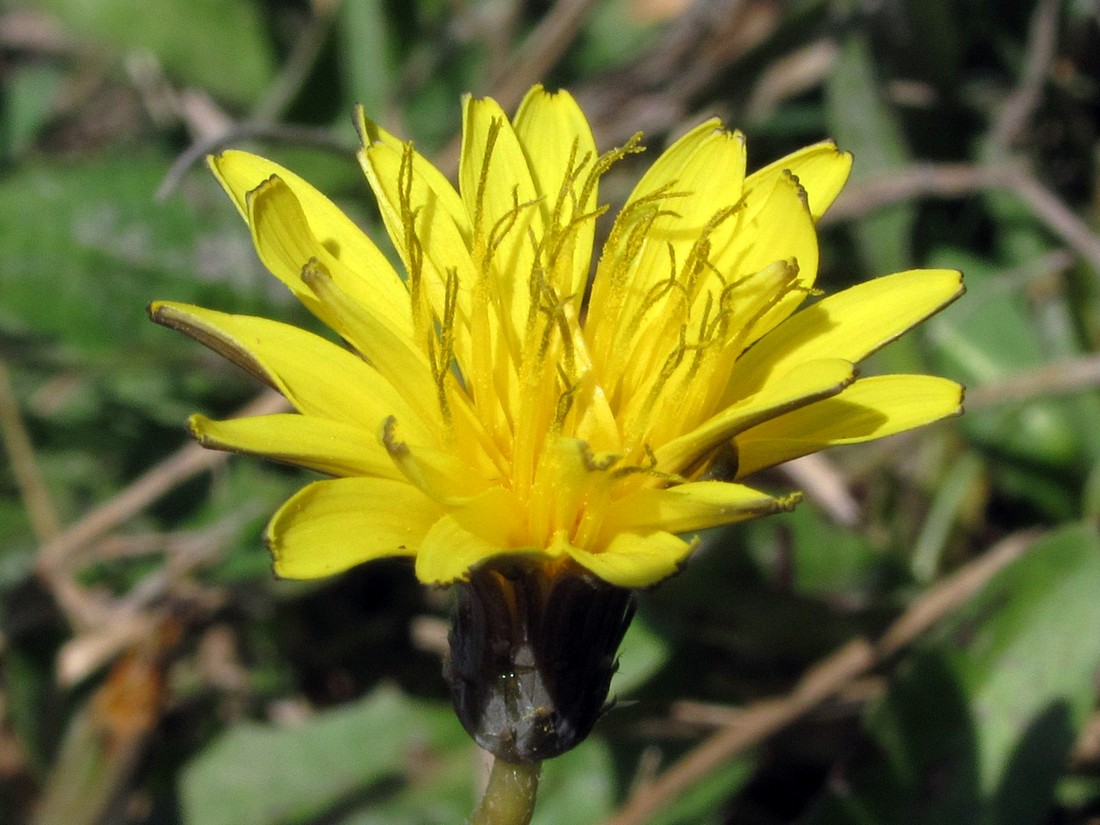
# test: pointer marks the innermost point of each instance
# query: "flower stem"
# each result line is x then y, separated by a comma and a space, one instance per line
510, 795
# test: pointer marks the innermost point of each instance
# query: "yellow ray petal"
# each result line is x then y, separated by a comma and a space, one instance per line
493, 175
335, 524
870, 408
318, 377
488, 526
570, 482
701, 174
320, 444
635, 560
707, 165
445, 195
403, 367
656, 274
821, 169
850, 324
377, 323
286, 246
688, 507
431, 241
439, 473
802, 385
500, 195
558, 142
376, 282
780, 229
552, 130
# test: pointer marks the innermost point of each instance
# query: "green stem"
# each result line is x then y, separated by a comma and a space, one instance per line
510, 795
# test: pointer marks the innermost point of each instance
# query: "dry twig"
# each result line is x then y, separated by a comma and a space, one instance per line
275, 132
1071, 375
952, 180
1041, 47
263, 121
529, 64
541, 50
824, 680
298, 64
149, 600
55, 558
819, 479
24, 465
656, 93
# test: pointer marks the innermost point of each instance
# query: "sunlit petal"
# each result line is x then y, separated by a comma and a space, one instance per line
320, 444
561, 153
871, 408
329, 526
489, 526
850, 324
686, 508
318, 377
635, 559
821, 169
321, 224
805, 384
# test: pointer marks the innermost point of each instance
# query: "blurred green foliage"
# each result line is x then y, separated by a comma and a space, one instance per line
159, 655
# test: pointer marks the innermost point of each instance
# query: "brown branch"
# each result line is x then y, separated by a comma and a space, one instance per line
276, 132
1041, 48
37, 34
789, 76
946, 180
1071, 375
656, 93
1054, 214
541, 50
944, 597
54, 557
146, 602
299, 63
961, 180
819, 479
1086, 751
24, 465
823, 681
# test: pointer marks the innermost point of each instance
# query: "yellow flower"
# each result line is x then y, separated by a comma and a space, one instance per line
488, 405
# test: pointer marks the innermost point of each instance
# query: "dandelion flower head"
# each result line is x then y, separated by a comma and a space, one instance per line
504, 397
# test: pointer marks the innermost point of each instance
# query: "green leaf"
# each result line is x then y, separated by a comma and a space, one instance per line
385, 760
977, 725
367, 63
576, 787
93, 249
266, 774
614, 35
218, 46
642, 653
962, 481
861, 123
824, 559
29, 99
987, 337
